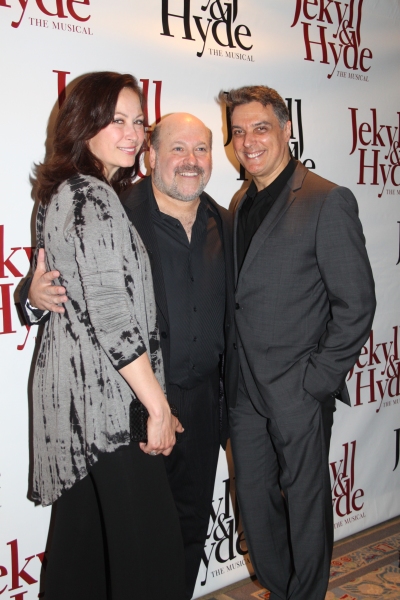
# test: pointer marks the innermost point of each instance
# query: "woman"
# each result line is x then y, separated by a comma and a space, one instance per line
116, 531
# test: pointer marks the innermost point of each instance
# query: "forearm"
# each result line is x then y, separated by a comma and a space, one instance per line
36, 317
140, 377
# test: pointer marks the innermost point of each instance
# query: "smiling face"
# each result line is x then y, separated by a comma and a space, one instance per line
118, 144
259, 142
181, 164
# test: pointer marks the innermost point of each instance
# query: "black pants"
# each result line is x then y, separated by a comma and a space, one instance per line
290, 540
117, 534
192, 465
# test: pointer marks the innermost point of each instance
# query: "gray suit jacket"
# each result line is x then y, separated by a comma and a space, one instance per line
304, 297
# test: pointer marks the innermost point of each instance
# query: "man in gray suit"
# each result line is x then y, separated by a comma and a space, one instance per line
303, 308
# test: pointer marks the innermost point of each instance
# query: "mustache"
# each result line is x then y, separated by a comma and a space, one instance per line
186, 168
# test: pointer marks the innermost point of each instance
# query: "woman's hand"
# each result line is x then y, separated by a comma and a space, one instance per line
161, 433
161, 424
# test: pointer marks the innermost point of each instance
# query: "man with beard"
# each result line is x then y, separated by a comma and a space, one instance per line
187, 236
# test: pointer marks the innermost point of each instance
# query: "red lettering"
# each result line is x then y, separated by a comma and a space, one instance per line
59, 10
370, 386
357, 494
16, 572
61, 85
5, 294
354, 128
7, 262
364, 166
364, 128
324, 12
394, 181
22, 346
365, 54
345, 496
3, 570
376, 133
305, 9
72, 12
322, 43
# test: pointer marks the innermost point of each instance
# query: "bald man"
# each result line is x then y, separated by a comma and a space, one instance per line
187, 236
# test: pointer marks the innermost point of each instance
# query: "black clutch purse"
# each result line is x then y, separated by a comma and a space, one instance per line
138, 415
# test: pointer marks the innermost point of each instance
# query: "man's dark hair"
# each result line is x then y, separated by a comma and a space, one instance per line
256, 93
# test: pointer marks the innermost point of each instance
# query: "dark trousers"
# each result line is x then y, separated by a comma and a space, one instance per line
117, 534
283, 487
192, 465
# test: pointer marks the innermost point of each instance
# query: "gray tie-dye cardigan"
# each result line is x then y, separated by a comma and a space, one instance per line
80, 401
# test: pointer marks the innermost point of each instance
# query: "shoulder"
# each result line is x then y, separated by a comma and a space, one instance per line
223, 212
307, 181
314, 187
84, 189
238, 196
136, 193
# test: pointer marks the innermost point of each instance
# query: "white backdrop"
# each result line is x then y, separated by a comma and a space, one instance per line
337, 64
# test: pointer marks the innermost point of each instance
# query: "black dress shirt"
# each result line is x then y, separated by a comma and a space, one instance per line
256, 207
194, 279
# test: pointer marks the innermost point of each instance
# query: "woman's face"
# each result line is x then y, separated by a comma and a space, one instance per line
118, 144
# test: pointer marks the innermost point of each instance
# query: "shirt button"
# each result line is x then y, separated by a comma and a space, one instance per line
195, 309
195, 338
192, 279
164, 335
237, 305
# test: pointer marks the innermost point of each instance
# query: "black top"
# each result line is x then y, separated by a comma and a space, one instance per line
256, 207
194, 278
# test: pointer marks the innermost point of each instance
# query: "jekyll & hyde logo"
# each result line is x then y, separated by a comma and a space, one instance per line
224, 542
376, 373
217, 23
347, 501
379, 151
61, 9
17, 575
332, 33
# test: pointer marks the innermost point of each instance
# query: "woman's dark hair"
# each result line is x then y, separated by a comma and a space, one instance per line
88, 108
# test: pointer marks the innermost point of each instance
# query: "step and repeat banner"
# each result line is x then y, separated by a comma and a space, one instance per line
337, 65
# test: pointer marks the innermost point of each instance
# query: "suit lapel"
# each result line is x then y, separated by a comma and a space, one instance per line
278, 209
235, 224
139, 211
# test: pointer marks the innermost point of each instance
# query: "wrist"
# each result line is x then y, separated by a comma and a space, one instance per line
159, 410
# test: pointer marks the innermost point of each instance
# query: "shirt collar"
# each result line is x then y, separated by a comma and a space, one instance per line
276, 186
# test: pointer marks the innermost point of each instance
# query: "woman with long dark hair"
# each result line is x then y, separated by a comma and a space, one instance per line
116, 531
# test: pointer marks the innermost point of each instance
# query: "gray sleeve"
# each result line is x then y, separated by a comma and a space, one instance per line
346, 272
96, 228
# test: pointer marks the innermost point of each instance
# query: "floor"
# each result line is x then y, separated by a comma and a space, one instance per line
364, 566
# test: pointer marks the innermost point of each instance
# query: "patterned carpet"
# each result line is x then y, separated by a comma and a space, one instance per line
364, 567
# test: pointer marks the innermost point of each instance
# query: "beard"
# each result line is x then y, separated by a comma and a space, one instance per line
172, 190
